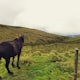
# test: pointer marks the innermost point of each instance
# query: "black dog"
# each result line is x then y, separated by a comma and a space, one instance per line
11, 49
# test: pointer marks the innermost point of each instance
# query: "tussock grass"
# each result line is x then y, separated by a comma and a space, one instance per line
42, 57
37, 63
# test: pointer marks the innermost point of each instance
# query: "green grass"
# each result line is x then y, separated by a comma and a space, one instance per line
44, 62
44, 56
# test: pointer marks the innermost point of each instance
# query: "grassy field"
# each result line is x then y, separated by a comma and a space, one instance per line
44, 62
44, 56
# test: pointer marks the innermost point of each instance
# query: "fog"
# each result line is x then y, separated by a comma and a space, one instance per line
53, 16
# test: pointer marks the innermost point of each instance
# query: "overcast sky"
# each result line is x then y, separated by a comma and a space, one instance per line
54, 16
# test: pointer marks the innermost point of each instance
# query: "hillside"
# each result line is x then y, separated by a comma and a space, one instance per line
41, 62
73, 40
32, 36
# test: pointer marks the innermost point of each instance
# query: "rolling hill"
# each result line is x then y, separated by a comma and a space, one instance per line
73, 40
32, 36
41, 62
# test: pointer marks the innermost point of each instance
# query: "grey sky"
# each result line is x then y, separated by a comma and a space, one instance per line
54, 16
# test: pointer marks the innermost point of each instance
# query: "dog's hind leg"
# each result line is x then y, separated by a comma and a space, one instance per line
13, 62
7, 65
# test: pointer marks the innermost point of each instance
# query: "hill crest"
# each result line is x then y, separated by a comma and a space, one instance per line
32, 36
